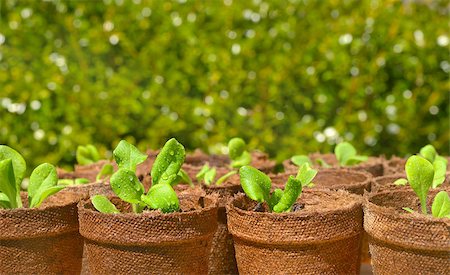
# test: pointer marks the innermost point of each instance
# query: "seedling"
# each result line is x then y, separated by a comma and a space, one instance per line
239, 157
346, 154
43, 180
126, 185
77, 181
257, 185
420, 174
87, 154
439, 165
299, 160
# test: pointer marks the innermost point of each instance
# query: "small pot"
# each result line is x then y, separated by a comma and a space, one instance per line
151, 242
405, 243
221, 258
42, 240
332, 178
322, 238
374, 165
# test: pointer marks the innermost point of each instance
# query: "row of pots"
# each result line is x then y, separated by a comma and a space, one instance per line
230, 234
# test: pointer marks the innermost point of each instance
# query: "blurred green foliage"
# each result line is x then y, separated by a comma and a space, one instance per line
287, 76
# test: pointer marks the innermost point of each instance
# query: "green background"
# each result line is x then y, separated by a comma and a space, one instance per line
287, 76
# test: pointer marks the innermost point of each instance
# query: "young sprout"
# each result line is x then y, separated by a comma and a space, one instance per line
43, 180
346, 154
257, 185
87, 154
128, 188
298, 160
420, 174
77, 181
239, 157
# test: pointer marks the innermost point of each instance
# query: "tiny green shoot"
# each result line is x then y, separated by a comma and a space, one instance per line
237, 150
257, 185
87, 154
298, 160
346, 154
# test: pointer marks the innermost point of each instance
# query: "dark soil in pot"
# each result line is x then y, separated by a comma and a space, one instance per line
150, 242
322, 237
404, 243
345, 179
374, 165
222, 259
42, 240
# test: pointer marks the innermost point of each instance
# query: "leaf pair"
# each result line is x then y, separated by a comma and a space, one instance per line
43, 180
257, 185
126, 185
208, 175
238, 154
299, 160
439, 163
346, 154
87, 154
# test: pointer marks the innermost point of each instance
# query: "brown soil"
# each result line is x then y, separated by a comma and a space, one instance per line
322, 238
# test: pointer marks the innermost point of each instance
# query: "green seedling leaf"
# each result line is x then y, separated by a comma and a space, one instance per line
182, 176
440, 158
407, 209
168, 162
344, 151
66, 182
19, 167
420, 174
255, 183
306, 174
128, 156
441, 205
428, 152
401, 182
4, 201
356, 159
43, 194
291, 192
43, 183
103, 205
275, 198
242, 160
223, 178
127, 186
80, 181
323, 163
201, 174
236, 147
440, 168
8, 184
162, 197
107, 171
87, 154
300, 159
210, 176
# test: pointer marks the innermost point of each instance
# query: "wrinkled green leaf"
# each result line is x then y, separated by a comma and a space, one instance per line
168, 162
43, 178
441, 205
428, 152
420, 173
107, 171
162, 197
306, 174
242, 160
223, 178
128, 156
236, 147
87, 154
401, 182
275, 198
127, 186
255, 183
8, 184
440, 168
300, 159
291, 192
19, 167
104, 205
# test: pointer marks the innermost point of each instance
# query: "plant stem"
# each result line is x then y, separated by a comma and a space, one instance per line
225, 177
